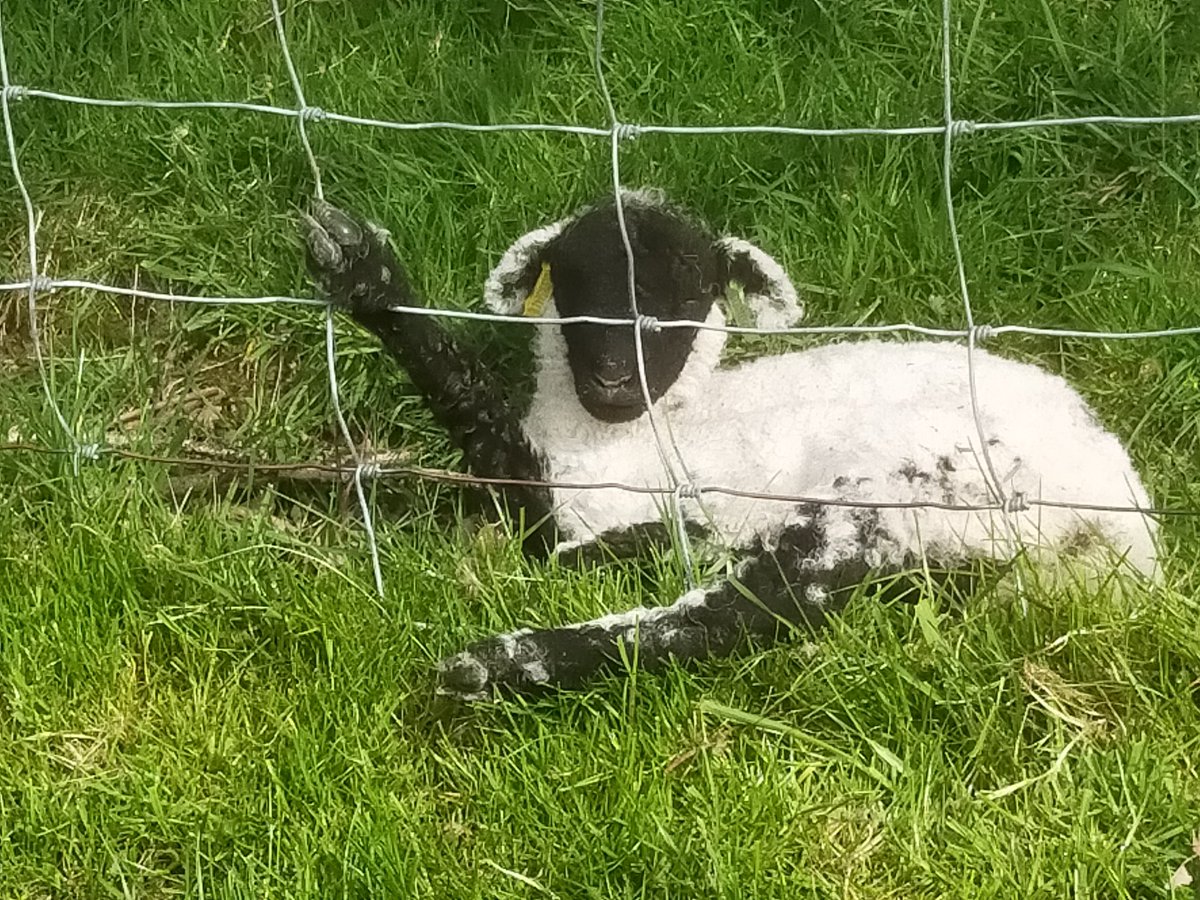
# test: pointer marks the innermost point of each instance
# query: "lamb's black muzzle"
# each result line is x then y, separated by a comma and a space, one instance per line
618, 401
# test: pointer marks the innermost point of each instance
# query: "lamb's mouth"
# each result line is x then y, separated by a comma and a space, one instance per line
614, 406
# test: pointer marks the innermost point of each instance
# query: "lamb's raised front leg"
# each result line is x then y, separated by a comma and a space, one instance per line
771, 593
351, 262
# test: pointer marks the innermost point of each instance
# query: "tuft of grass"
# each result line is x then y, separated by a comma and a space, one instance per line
201, 696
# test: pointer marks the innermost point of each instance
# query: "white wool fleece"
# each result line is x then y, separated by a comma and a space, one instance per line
868, 421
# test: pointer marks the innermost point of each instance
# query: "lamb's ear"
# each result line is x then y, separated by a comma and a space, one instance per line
518, 270
769, 292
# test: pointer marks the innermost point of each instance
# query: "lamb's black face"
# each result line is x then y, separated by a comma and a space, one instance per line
678, 275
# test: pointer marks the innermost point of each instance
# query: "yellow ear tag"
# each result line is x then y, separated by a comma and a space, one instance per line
536, 301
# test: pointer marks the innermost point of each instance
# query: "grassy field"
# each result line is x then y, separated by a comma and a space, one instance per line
202, 696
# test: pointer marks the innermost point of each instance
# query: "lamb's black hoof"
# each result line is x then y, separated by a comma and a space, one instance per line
350, 260
464, 677
505, 664
338, 225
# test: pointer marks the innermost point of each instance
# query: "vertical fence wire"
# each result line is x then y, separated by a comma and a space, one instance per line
681, 487
8, 93
1008, 506
305, 114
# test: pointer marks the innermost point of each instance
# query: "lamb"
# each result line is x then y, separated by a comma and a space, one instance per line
860, 423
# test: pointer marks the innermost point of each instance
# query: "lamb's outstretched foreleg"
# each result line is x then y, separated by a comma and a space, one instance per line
356, 269
771, 593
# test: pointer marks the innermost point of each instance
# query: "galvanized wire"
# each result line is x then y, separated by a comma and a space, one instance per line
681, 487
35, 283
982, 332
383, 472
20, 92
303, 116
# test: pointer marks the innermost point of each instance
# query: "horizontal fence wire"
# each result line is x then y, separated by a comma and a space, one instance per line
982, 332
628, 129
363, 467
347, 471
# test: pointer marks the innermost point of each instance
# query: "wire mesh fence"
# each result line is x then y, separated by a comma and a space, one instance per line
362, 467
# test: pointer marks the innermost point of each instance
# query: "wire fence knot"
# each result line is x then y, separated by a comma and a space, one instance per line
648, 324
687, 490
961, 127
981, 333
84, 452
42, 284
313, 114
626, 131
1017, 502
16, 92
367, 470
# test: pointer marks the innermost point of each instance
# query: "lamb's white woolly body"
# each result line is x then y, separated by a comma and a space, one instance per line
873, 421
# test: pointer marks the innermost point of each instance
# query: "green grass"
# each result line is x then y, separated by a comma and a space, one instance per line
205, 698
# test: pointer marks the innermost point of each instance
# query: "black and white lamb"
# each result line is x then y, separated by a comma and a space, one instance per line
870, 421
